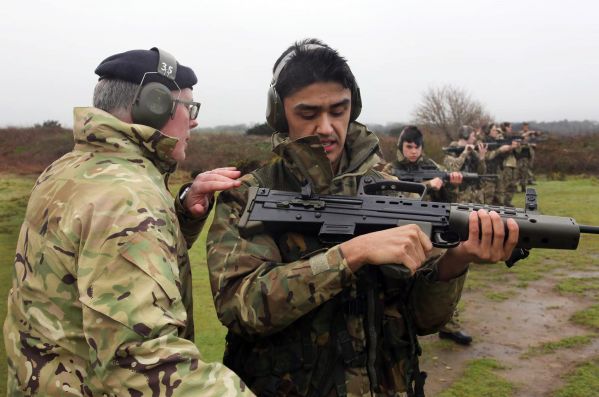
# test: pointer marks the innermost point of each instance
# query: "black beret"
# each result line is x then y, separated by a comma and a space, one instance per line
132, 65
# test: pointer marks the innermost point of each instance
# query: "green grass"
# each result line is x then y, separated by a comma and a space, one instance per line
499, 296
565, 343
582, 382
578, 285
13, 201
588, 317
480, 379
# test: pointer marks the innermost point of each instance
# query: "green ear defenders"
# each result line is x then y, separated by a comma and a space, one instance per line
275, 112
153, 103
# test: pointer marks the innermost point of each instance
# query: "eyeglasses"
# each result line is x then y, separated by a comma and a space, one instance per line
192, 107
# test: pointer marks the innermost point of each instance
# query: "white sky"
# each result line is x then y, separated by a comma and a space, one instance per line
523, 59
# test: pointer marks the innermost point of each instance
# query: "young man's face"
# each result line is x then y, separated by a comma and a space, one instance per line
180, 125
321, 109
411, 151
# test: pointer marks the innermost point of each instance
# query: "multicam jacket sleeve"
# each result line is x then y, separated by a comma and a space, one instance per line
254, 292
133, 311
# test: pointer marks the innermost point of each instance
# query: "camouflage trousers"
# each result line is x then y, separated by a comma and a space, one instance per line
509, 175
471, 194
524, 172
494, 191
453, 325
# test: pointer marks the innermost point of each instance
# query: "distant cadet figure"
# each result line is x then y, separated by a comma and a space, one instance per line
100, 303
510, 165
410, 157
495, 159
471, 159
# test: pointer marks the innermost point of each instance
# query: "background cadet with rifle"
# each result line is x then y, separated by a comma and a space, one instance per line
498, 151
311, 318
510, 165
472, 159
411, 157
525, 156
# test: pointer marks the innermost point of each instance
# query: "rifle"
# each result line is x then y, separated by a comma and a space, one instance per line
494, 145
335, 219
426, 175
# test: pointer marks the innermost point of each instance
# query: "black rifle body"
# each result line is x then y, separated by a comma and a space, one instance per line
493, 145
423, 175
335, 219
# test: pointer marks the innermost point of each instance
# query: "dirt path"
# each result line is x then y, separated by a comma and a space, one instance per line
505, 330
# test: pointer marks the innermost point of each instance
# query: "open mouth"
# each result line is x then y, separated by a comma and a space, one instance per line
328, 145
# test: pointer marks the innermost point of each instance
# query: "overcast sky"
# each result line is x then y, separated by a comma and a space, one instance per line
523, 59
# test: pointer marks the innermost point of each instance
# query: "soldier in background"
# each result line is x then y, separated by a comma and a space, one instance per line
310, 318
411, 157
525, 157
101, 298
510, 165
494, 191
472, 159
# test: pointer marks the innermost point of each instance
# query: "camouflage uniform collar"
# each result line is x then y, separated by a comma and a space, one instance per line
101, 131
306, 158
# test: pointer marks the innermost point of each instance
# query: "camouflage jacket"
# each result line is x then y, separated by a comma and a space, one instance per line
101, 297
467, 161
296, 314
496, 161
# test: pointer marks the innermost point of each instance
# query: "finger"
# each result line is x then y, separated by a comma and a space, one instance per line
217, 186
225, 168
409, 262
212, 177
425, 241
512, 238
486, 231
498, 235
473, 228
198, 209
224, 172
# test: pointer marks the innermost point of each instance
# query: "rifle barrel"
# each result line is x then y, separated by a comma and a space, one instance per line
589, 229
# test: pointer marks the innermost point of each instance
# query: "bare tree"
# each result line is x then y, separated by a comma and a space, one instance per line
443, 110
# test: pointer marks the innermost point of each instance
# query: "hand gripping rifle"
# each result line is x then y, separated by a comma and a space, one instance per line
426, 175
335, 219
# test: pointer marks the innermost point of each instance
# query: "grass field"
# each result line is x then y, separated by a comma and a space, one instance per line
576, 197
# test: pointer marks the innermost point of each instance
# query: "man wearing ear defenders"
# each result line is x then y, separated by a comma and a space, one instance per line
101, 297
307, 318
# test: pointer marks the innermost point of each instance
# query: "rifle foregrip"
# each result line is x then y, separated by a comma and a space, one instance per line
535, 231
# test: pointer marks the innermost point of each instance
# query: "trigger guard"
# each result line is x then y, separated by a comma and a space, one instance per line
440, 242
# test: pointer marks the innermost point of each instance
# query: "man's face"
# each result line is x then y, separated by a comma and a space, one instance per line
411, 151
320, 109
180, 125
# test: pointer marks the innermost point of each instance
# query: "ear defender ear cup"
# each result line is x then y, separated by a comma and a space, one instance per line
356, 104
153, 105
275, 112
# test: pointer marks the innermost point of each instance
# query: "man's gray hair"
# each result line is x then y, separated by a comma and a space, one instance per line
114, 96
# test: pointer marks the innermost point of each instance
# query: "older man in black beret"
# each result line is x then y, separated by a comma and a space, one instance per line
101, 297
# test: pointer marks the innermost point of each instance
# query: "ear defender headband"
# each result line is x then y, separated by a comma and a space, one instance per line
153, 103
275, 111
